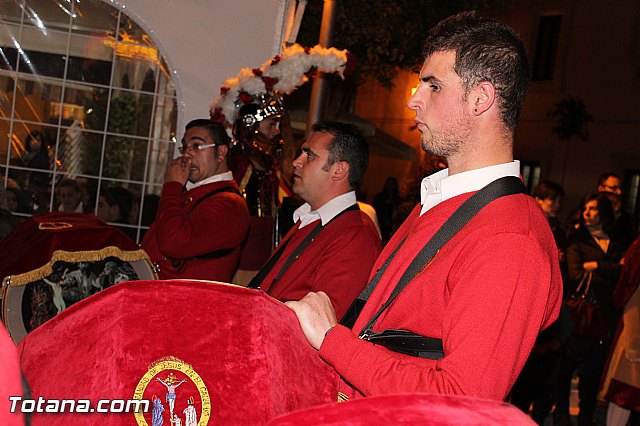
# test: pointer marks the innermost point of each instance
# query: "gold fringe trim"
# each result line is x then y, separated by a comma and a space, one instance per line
74, 256
245, 180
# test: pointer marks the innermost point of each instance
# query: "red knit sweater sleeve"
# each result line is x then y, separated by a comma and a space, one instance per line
497, 297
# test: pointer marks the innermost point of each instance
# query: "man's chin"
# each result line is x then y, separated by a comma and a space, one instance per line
427, 147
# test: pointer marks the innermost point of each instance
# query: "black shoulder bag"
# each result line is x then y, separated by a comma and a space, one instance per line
404, 341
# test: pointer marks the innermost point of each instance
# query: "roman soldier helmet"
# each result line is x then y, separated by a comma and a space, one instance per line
255, 94
248, 127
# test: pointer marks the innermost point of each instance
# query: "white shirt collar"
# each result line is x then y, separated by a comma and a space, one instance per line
440, 186
325, 213
215, 178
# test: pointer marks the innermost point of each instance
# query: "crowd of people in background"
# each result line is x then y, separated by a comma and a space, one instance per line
116, 205
28, 192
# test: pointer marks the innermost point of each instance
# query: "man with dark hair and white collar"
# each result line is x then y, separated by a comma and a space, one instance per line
202, 219
479, 302
333, 245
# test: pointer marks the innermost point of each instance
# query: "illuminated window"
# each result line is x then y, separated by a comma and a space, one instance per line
96, 87
530, 172
631, 194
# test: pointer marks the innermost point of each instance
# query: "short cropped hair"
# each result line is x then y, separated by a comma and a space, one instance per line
216, 130
548, 190
349, 145
69, 183
603, 178
486, 50
117, 195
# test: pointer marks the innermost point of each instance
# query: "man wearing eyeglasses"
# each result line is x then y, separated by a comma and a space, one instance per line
202, 219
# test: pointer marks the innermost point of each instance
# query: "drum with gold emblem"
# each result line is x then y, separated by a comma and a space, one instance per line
53, 260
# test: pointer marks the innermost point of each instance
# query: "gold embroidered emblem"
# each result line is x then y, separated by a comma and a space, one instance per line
179, 381
50, 226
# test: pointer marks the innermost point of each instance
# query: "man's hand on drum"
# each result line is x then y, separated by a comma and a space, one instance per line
316, 315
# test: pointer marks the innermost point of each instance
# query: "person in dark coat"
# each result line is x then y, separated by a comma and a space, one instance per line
591, 248
36, 156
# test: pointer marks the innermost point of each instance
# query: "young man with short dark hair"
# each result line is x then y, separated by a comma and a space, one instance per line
336, 260
494, 285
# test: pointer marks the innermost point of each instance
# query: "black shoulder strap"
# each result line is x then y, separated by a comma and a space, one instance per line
256, 282
507, 185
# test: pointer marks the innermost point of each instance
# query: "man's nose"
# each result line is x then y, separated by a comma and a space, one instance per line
414, 102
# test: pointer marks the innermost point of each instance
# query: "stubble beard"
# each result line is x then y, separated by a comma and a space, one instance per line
448, 141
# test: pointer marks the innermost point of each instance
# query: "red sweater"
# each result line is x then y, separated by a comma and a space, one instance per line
486, 294
197, 235
338, 261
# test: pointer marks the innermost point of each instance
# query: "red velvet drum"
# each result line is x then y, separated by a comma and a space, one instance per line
201, 351
411, 409
53, 260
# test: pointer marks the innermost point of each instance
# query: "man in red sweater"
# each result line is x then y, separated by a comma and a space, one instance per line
333, 244
493, 286
202, 219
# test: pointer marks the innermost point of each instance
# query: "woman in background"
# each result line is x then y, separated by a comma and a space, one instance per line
590, 249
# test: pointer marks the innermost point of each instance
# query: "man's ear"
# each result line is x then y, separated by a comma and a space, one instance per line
223, 150
482, 97
340, 171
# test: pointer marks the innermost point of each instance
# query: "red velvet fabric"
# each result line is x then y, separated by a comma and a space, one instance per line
11, 381
32, 243
409, 409
248, 349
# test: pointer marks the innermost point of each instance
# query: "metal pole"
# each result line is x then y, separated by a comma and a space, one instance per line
318, 90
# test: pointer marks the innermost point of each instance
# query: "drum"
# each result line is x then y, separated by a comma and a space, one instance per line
53, 261
26, 306
202, 351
